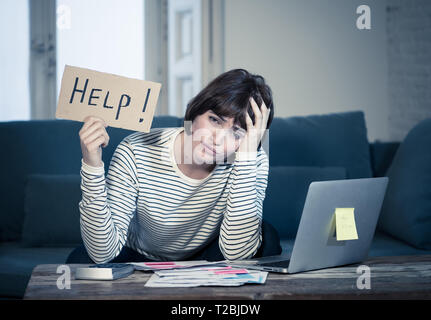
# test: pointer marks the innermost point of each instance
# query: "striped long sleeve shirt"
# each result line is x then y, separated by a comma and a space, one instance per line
147, 203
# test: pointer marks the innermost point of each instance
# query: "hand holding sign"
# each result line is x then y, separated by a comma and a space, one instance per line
121, 102
93, 136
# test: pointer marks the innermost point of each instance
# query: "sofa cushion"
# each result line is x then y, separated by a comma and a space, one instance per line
385, 245
331, 140
38, 146
286, 192
52, 211
382, 245
17, 263
406, 210
166, 122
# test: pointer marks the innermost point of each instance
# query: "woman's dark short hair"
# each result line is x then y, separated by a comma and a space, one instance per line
228, 96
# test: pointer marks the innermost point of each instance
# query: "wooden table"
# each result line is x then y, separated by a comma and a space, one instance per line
401, 277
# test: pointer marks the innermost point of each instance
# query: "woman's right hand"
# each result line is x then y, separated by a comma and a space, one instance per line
93, 137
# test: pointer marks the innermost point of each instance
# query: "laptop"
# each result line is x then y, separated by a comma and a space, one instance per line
316, 245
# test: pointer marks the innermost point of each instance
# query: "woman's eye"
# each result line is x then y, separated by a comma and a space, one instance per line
237, 136
214, 119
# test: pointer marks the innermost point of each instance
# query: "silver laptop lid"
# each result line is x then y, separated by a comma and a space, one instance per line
315, 244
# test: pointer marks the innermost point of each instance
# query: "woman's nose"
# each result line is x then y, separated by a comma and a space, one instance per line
219, 137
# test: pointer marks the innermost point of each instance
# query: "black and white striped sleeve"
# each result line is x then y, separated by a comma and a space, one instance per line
240, 231
108, 205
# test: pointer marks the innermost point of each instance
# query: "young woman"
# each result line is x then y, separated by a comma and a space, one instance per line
194, 192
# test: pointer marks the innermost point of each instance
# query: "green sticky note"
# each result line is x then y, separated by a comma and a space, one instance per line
345, 224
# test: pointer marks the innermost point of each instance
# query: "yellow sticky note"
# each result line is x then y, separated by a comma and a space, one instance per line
345, 224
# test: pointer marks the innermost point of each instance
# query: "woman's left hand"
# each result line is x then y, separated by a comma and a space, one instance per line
255, 132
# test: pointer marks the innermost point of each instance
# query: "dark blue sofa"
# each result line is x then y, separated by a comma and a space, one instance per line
40, 189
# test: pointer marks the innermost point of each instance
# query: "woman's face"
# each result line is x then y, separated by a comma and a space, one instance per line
215, 138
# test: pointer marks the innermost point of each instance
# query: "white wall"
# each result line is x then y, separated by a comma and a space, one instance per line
14, 60
409, 65
313, 56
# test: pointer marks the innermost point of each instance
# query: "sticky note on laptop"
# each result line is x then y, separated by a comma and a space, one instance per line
345, 226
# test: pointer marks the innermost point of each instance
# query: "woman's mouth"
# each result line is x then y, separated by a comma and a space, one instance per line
208, 149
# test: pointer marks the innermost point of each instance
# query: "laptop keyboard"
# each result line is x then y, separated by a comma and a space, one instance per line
282, 264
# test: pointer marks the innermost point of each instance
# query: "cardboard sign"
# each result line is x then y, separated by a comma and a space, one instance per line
121, 102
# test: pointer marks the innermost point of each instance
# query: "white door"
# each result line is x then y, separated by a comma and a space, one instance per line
184, 53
